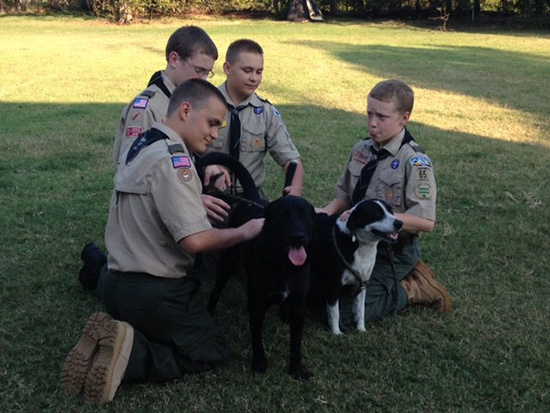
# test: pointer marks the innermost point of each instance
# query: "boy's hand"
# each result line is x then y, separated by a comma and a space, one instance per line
212, 174
217, 210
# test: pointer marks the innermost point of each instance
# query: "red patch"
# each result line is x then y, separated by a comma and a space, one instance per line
361, 157
132, 132
136, 116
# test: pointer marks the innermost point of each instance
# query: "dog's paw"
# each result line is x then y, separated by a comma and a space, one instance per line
300, 374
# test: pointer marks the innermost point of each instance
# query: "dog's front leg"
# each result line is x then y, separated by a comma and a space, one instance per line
359, 310
297, 317
256, 314
333, 315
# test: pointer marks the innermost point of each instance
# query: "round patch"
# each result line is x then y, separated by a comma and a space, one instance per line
258, 111
185, 174
395, 164
276, 112
257, 143
423, 191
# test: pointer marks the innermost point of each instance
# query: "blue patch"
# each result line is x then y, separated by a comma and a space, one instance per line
395, 164
421, 161
276, 112
258, 111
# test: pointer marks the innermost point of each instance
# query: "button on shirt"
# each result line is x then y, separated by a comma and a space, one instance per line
155, 204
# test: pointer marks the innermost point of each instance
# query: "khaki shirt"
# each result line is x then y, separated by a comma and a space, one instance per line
405, 179
262, 131
148, 107
156, 202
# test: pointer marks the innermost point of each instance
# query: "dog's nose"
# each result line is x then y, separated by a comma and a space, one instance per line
299, 237
398, 225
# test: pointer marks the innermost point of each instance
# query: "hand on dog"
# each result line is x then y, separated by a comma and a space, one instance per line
217, 210
252, 228
212, 175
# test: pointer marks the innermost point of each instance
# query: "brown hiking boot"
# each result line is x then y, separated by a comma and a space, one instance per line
110, 363
423, 289
80, 358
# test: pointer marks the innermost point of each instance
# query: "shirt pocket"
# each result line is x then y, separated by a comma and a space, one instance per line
390, 187
252, 138
355, 168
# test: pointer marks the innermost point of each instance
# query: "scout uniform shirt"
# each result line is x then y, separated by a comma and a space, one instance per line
156, 202
148, 107
405, 179
262, 130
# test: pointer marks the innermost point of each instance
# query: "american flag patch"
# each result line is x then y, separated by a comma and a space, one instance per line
132, 132
181, 162
140, 103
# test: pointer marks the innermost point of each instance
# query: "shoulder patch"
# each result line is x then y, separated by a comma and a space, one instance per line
185, 174
421, 161
423, 191
258, 110
132, 132
276, 112
181, 161
140, 103
148, 93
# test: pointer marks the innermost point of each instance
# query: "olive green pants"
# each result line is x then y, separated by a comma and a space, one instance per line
174, 334
383, 295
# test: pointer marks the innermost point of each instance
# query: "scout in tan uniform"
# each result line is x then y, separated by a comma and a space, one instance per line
402, 175
159, 329
254, 126
190, 54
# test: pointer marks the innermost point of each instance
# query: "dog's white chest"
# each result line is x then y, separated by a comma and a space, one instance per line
363, 263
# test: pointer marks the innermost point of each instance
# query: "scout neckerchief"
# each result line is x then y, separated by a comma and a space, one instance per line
156, 80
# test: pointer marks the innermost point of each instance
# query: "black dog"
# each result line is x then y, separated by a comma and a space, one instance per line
345, 254
276, 262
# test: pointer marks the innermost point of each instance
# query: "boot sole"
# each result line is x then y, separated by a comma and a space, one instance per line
110, 364
79, 360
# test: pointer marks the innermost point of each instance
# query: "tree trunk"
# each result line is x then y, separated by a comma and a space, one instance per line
477, 10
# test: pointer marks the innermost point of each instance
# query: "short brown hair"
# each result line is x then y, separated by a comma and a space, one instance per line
394, 90
195, 91
188, 41
242, 45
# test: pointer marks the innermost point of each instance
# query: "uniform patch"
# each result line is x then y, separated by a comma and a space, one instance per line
257, 143
421, 161
276, 112
423, 174
181, 162
389, 195
423, 191
258, 111
395, 164
361, 157
185, 174
140, 103
132, 132
136, 116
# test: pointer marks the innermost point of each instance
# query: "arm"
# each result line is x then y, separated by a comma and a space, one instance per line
217, 239
336, 206
295, 188
413, 223
217, 210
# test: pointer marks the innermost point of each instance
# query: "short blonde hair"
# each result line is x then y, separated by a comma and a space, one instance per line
394, 90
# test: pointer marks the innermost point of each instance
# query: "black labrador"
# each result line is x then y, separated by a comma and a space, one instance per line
276, 262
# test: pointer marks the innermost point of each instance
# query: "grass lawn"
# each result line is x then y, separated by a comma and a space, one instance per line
481, 112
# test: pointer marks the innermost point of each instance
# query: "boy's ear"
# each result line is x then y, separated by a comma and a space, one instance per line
185, 110
227, 68
173, 58
405, 118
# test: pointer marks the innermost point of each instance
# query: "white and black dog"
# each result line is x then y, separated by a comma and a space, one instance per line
345, 254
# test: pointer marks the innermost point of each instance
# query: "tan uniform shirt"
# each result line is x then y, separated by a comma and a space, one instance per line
262, 131
405, 179
156, 202
148, 107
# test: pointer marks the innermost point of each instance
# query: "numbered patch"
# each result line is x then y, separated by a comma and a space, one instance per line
423, 174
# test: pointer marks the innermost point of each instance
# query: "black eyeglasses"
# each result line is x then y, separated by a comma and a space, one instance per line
200, 71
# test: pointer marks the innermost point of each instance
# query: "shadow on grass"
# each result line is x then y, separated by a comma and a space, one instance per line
509, 78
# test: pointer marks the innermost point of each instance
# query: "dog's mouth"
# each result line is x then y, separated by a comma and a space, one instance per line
390, 237
297, 255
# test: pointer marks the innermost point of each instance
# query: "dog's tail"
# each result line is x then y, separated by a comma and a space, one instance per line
250, 191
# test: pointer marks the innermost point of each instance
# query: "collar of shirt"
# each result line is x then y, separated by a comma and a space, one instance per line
253, 99
392, 146
167, 82
172, 135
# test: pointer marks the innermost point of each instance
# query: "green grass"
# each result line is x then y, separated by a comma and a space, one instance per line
481, 113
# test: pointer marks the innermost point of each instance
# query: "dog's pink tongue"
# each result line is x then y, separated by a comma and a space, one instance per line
297, 255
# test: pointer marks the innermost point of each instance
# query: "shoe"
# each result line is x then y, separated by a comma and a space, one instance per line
79, 361
109, 366
423, 289
94, 259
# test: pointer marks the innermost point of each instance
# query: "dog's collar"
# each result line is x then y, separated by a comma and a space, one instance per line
362, 284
